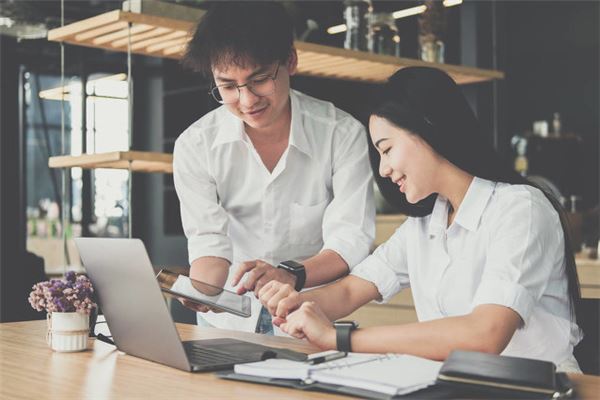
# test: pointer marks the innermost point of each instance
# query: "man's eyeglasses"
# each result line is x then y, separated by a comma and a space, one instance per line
260, 85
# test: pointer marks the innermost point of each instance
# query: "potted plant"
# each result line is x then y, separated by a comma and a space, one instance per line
68, 303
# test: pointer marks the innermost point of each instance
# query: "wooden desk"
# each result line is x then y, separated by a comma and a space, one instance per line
30, 370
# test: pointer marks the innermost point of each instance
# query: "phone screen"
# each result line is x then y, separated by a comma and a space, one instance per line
203, 293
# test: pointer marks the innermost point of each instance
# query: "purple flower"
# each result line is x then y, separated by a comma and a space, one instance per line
71, 276
74, 293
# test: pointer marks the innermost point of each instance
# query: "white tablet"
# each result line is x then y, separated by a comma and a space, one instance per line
203, 293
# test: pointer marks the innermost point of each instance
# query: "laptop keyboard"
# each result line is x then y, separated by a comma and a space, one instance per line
204, 357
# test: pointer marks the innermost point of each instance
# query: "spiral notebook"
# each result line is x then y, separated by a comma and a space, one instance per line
391, 374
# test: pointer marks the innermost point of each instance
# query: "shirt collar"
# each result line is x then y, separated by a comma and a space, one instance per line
472, 207
439, 216
470, 210
297, 133
231, 128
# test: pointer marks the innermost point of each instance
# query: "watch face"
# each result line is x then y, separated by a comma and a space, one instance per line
292, 264
352, 324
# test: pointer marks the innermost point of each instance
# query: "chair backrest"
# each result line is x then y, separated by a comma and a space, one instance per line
587, 352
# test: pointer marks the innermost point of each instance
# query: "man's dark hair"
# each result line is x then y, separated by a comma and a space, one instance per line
240, 33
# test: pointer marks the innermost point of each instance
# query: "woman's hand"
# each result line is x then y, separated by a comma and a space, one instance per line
279, 299
309, 322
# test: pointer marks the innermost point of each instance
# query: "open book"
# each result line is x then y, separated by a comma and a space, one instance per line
387, 374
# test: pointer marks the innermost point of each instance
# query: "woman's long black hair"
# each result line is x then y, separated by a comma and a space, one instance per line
428, 103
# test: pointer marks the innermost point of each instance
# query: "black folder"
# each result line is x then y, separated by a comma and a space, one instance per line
503, 375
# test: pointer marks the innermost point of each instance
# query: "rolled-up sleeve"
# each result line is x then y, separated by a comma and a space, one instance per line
387, 267
204, 220
524, 248
349, 220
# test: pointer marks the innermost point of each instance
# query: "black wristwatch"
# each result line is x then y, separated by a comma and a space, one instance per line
343, 330
296, 269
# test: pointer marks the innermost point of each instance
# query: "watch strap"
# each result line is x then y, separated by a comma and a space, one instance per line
342, 336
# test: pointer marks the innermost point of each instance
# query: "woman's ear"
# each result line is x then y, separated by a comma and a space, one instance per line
292, 63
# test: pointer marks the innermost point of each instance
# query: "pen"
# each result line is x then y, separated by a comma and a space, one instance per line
327, 357
104, 339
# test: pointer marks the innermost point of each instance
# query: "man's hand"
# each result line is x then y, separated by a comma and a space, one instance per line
309, 322
279, 299
259, 273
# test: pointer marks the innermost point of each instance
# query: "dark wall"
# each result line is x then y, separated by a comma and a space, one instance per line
155, 213
552, 65
19, 270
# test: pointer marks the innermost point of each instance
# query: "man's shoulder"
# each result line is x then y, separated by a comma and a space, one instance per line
323, 111
204, 129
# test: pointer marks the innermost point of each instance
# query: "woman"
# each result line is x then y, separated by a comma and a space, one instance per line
484, 251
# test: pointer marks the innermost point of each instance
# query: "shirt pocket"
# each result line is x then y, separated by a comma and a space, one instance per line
306, 223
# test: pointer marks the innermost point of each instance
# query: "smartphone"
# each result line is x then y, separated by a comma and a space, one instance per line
203, 293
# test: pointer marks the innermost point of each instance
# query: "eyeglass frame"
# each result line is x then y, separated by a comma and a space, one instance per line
238, 87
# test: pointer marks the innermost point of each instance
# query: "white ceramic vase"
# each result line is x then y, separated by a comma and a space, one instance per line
68, 331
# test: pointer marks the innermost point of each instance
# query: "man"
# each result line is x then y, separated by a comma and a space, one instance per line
273, 175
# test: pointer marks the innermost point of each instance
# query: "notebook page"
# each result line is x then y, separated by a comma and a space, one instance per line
288, 369
392, 375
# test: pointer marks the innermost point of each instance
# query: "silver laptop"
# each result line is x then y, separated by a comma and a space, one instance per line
139, 319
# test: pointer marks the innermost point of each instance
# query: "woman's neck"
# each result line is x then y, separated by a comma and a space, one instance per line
453, 185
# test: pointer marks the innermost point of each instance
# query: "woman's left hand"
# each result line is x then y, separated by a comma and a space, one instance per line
309, 322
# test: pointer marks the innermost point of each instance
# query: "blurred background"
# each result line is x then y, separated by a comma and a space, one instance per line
542, 116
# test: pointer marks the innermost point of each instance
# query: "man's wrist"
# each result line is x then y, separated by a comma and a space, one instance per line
297, 270
293, 278
211, 270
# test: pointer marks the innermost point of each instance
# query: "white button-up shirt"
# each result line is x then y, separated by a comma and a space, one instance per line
319, 196
505, 246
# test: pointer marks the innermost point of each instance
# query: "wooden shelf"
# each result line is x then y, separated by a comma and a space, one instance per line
137, 161
166, 37
332, 62
150, 35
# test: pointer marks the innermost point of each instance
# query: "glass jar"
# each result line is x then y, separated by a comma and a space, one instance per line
432, 27
356, 16
383, 34
432, 51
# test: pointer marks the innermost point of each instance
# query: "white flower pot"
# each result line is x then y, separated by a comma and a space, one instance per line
68, 331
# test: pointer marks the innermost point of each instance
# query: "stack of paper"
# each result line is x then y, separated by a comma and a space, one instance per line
393, 375
387, 374
287, 369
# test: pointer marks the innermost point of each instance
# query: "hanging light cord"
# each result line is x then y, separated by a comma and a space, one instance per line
130, 131
495, 81
64, 205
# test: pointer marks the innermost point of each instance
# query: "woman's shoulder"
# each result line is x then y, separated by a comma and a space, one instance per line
519, 199
507, 193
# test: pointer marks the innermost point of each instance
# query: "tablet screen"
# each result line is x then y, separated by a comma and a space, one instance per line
203, 293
